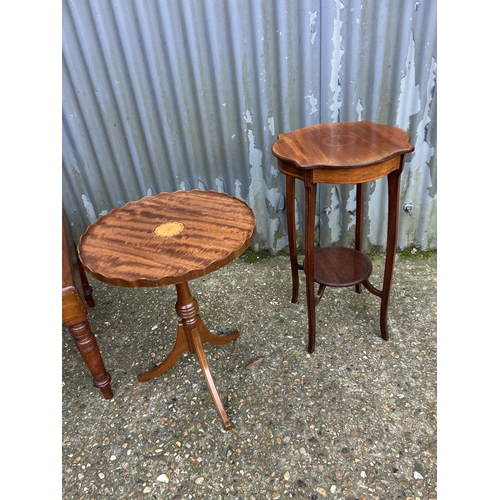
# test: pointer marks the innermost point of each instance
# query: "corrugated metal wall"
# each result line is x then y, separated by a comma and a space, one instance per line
160, 95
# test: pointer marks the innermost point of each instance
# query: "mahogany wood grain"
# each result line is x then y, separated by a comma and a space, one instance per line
340, 153
122, 249
74, 312
341, 266
166, 239
343, 175
345, 144
355, 175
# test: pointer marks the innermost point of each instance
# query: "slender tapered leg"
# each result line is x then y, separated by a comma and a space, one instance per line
310, 213
360, 202
87, 346
200, 353
87, 289
292, 236
191, 335
392, 236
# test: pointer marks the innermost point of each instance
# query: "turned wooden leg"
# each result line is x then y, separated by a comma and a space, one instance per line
392, 236
360, 202
292, 235
310, 212
87, 346
191, 335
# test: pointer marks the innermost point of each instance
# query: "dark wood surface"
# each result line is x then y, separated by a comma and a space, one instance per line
74, 313
347, 144
340, 153
122, 249
166, 239
341, 266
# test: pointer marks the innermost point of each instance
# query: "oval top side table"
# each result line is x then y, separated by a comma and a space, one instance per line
341, 153
169, 239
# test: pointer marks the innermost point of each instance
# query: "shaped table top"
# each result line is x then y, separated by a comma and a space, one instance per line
167, 239
345, 144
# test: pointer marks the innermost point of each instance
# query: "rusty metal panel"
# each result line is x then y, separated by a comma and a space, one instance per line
165, 95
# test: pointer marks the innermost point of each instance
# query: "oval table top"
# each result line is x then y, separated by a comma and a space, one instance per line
344, 144
167, 239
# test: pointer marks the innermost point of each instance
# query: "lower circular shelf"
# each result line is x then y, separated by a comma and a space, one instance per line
340, 266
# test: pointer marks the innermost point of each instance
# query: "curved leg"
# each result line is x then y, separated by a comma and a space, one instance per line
87, 289
292, 236
191, 335
200, 354
310, 209
360, 201
87, 346
180, 347
207, 336
392, 234
319, 295
196, 333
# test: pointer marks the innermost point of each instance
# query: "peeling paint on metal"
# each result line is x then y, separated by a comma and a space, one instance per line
237, 189
220, 185
417, 185
409, 101
335, 216
247, 116
270, 122
312, 22
312, 101
359, 110
351, 207
423, 149
259, 193
409, 105
89, 209
336, 64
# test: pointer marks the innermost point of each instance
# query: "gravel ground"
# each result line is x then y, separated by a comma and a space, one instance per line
354, 420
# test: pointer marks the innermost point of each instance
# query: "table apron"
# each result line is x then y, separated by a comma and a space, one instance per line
341, 175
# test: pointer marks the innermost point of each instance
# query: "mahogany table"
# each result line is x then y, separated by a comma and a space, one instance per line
341, 153
170, 239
